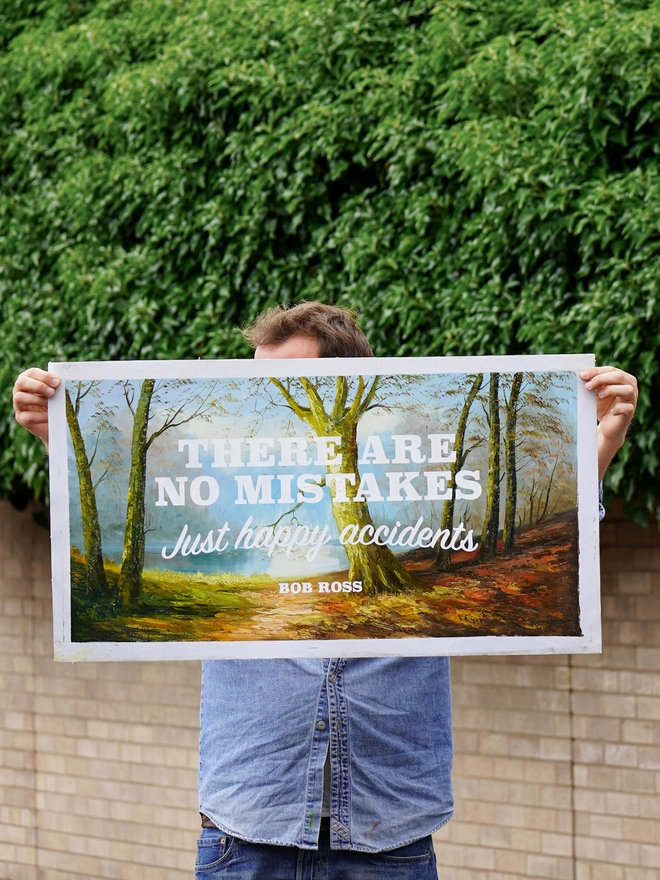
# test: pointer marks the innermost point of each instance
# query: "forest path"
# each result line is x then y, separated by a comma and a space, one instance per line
279, 616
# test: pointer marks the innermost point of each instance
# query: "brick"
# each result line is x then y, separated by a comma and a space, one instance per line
557, 844
649, 758
543, 866
649, 807
640, 830
622, 804
495, 837
589, 752
590, 848
591, 727
650, 856
604, 872
448, 855
648, 708
513, 864
621, 755
479, 858
636, 582
610, 827
116, 745
623, 852
648, 658
637, 781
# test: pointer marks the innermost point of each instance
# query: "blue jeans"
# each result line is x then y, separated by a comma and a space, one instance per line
228, 858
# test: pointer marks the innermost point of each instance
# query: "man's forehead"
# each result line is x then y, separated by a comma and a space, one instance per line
295, 347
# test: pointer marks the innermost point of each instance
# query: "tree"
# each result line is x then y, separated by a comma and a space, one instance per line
511, 409
491, 526
375, 565
96, 584
548, 488
132, 563
536, 439
443, 557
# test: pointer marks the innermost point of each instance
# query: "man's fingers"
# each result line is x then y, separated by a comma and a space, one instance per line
24, 401
28, 418
34, 422
32, 390
624, 409
42, 376
615, 390
42, 385
624, 392
599, 377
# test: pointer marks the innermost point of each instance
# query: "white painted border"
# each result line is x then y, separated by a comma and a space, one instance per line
588, 519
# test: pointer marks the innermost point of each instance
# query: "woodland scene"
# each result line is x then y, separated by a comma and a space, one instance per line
362, 507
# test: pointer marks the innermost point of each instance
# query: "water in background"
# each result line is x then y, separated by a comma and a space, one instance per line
331, 557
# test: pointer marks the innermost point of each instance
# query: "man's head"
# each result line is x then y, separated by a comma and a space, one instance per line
309, 329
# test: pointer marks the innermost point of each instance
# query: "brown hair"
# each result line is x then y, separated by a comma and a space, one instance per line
333, 327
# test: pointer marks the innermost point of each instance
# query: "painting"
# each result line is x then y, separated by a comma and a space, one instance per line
358, 507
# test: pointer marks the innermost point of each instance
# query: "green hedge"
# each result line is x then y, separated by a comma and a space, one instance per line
473, 177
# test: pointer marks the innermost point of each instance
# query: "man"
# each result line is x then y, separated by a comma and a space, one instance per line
327, 769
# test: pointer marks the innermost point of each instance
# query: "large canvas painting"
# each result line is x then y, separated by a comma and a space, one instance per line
355, 507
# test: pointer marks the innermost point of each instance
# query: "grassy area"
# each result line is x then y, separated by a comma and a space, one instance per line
173, 606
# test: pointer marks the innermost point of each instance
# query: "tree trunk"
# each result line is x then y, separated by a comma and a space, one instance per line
510, 464
96, 583
443, 557
132, 564
376, 566
373, 564
491, 525
551, 479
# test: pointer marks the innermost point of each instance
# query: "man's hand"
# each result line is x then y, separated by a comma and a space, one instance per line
616, 400
32, 390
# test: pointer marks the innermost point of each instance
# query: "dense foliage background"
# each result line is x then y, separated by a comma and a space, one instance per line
473, 177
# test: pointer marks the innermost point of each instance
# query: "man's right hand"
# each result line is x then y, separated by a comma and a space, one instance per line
32, 390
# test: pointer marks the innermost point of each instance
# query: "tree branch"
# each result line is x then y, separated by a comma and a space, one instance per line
352, 414
302, 412
102, 477
316, 406
129, 398
371, 393
293, 509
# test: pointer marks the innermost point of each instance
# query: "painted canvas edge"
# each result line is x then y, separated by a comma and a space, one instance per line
59, 522
588, 518
427, 647
208, 369
589, 583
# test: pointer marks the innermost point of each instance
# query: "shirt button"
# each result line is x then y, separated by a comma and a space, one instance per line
320, 725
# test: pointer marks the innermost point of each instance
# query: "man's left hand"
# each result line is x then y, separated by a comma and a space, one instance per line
616, 400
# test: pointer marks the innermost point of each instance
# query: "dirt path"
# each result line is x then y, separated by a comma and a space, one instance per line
282, 620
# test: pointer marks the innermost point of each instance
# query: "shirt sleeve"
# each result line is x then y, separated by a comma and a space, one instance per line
601, 509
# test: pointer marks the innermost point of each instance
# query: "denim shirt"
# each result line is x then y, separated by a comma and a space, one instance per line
266, 726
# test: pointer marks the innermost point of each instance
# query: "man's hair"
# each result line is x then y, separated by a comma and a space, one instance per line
333, 327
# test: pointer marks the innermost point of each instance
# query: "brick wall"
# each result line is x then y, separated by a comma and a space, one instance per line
557, 758
98, 761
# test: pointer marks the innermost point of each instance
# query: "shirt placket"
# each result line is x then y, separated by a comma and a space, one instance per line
319, 750
340, 834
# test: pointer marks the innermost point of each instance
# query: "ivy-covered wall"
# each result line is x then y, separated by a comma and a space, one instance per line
473, 177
